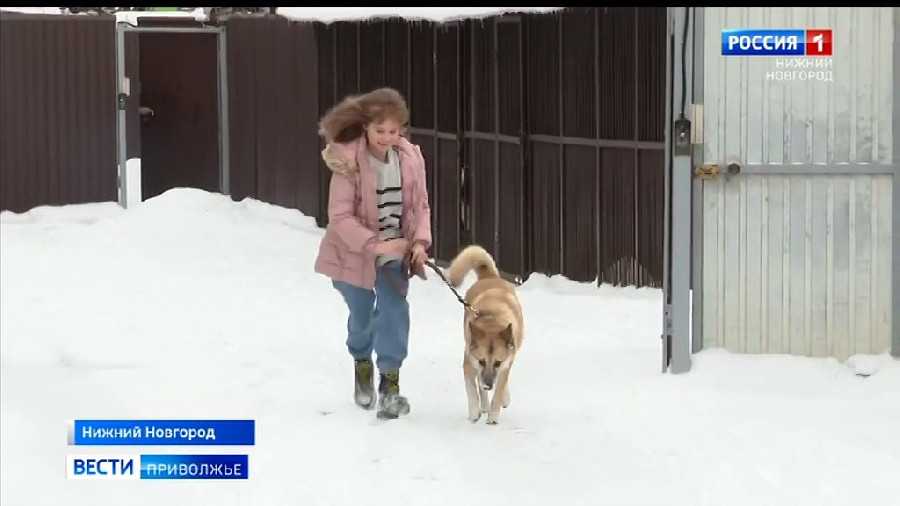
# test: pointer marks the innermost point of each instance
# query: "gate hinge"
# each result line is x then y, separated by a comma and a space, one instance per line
706, 171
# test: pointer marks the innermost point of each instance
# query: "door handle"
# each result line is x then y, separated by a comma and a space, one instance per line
146, 113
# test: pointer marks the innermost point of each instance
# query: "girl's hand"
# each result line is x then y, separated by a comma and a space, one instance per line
418, 256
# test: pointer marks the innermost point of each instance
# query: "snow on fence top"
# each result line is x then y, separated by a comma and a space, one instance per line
324, 14
129, 16
33, 10
439, 14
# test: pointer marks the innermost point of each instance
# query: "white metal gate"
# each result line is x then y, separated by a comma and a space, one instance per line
795, 238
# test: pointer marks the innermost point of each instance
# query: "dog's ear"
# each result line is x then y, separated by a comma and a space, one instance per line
508, 336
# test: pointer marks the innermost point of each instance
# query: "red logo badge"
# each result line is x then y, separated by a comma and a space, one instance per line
818, 43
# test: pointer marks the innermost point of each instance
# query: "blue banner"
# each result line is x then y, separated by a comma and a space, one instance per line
194, 467
768, 42
162, 433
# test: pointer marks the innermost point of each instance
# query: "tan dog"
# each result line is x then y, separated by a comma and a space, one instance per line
492, 337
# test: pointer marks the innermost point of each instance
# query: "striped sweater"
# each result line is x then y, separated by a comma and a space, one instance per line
390, 200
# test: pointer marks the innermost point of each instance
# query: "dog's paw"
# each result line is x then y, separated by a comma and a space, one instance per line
492, 421
474, 417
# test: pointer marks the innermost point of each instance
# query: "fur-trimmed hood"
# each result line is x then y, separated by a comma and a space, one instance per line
341, 158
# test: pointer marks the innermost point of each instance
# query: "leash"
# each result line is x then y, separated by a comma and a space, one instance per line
461, 300
401, 292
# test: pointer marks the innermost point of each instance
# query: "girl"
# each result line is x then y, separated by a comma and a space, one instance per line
379, 226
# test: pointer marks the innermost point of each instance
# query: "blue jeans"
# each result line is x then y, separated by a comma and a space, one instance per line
379, 319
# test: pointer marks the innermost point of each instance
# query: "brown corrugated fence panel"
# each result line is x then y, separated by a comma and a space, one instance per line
445, 208
347, 62
447, 74
305, 109
483, 200
651, 76
445, 213
616, 40
480, 102
241, 70
274, 92
542, 104
579, 220
617, 110
325, 45
301, 134
481, 84
421, 95
617, 216
267, 111
545, 209
579, 94
396, 45
58, 97
422, 102
371, 39
542, 62
651, 200
510, 224
579, 119
509, 155
296, 171
509, 77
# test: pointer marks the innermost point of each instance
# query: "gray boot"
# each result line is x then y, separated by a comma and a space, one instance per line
364, 384
391, 404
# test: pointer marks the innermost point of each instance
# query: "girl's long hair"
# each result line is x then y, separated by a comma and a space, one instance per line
346, 120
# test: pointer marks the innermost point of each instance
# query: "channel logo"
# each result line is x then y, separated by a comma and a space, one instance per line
777, 42
103, 467
157, 467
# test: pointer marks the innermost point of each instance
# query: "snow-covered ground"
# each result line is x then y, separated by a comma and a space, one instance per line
194, 306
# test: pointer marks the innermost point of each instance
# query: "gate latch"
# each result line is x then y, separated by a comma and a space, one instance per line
706, 171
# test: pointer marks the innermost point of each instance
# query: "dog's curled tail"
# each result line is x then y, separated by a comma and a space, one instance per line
473, 257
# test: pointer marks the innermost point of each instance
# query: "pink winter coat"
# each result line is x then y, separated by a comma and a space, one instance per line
345, 252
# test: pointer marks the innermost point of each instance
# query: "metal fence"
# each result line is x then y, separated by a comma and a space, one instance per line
273, 113
58, 97
543, 133
58, 121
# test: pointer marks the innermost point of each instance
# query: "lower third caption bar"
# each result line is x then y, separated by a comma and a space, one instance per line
157, 467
